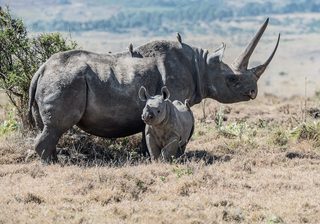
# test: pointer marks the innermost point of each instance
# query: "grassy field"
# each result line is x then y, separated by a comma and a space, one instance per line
254, 162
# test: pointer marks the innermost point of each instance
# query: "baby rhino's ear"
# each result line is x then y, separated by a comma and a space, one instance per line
143, 94
165, 93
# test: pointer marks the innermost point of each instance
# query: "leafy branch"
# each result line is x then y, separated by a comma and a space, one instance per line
21, 56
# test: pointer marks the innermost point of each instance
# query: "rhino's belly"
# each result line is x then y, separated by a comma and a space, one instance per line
116, 133
112, 126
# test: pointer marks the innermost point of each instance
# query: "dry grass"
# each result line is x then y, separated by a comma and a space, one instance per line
245, 164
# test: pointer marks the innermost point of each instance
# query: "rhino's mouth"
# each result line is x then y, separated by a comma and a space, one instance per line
251, 95
246, 97
147, 119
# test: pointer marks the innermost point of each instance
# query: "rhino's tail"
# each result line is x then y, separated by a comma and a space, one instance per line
32, 93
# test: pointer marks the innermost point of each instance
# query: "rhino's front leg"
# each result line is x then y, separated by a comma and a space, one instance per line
171, 150
143, 146
153, 148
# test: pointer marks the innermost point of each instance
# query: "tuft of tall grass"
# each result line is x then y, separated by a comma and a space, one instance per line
308, 131
279, 137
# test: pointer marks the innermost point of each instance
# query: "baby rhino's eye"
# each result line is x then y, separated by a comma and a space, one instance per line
158, 111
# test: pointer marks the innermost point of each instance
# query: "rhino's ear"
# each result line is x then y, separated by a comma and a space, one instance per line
165, 93
143, 94
217, 55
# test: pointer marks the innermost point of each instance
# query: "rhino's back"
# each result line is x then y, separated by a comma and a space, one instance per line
181, 107
113, 108
184, 120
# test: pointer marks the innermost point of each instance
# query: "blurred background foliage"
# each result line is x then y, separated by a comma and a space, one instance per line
21, 56
166, 16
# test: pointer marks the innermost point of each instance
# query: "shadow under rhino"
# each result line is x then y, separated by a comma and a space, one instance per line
78, 148
202, 156
88, 150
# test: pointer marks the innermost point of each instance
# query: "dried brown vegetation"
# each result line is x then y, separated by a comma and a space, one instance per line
254, 162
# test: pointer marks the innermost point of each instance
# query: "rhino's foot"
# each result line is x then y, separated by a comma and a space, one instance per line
48, 157
170, 157
171, 151
143, 150
49, 160
46, 145
167, 156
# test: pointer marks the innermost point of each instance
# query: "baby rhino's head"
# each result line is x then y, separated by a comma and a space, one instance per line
154, 111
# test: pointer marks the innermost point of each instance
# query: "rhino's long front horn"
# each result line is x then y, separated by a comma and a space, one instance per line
241, 63
260, 69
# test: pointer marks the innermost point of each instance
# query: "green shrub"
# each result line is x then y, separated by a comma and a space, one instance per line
279, 137
308, 131
10, 124
21, 56
182, 171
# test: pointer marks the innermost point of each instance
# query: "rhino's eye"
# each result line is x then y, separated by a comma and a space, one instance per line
158, 111
237, 85
233, 80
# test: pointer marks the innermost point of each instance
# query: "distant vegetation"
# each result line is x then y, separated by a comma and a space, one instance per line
164, 16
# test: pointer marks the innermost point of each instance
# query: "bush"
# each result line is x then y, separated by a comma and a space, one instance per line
10, 124
21, 56
279, 137
308, 131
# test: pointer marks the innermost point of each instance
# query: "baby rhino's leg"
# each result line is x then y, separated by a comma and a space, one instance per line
171, 150
153, 148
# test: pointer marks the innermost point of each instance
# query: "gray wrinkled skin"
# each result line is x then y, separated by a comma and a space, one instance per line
99, 92
169, 125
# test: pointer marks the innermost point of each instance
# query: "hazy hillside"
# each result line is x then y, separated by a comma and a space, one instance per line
157, 17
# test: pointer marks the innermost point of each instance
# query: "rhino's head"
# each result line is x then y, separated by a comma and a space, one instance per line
155, 109
237, 82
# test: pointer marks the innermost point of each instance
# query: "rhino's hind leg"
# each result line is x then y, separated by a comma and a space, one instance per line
60, 108
171, 150
46, 144
52, 131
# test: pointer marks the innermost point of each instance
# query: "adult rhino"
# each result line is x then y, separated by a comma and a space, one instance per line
99, 92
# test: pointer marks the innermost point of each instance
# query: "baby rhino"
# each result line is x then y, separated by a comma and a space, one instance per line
169, 125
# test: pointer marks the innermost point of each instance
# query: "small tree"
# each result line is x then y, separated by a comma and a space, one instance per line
21, 56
